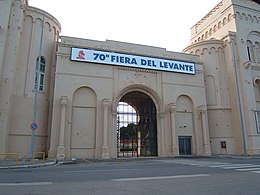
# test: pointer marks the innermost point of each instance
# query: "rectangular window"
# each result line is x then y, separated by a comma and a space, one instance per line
248, 53
42, 67
41, 82
257, 120
41, 62
35, 82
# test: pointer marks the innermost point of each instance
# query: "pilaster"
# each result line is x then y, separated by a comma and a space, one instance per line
61, 147
162, 133
205, 130
105, 148
175, 149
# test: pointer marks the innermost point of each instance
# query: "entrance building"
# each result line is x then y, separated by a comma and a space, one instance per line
92, 97
109, 99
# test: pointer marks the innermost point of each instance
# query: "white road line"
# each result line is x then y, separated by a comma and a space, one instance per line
249, 169
26, 184
196, 164
162, 177
214, 165
227, 165
255, 171
238, 166
241, 167
206, 164
102, 170
201, 162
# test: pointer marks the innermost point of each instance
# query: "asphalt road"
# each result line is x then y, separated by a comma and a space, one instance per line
140, 176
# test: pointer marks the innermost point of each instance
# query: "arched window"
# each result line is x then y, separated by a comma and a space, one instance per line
250, 51
41, 65
253, 46
257, 98
257, 52
257, 92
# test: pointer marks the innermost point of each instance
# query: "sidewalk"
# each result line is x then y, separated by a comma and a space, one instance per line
29, 163
25, 163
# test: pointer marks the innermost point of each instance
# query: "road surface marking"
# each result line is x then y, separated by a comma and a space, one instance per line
102, 170
226, 165
26, 184
161, 177
249, 169
240, 166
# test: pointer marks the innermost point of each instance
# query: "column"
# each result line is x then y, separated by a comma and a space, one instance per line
61, 148
205, 130
161, 117
138, 142
175, 148
115, 136
105, 149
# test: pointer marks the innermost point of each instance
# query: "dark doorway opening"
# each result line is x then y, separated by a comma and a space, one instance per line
136, 126
185, 145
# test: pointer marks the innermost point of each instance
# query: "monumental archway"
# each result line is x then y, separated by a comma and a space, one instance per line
136, 126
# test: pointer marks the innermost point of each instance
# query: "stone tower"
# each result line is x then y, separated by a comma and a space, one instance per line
227, 41
20, 33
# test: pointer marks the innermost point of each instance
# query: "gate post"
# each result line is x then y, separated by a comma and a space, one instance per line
115, 136
172, 107
105, 149
162, 140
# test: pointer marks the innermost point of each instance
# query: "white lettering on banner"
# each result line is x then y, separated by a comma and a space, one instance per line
112, 58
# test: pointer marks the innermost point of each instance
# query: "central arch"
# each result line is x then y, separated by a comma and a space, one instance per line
136, 131
141, 88
137, 126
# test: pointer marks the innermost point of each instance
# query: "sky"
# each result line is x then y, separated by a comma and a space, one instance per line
159, 23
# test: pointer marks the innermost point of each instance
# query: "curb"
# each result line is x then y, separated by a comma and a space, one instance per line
29, 166
237, 156
93, 161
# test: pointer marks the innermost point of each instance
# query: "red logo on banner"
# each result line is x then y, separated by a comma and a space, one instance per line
81, 55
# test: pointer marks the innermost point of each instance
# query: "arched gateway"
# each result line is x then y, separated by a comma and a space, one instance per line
94, 93
137, 127
136, 132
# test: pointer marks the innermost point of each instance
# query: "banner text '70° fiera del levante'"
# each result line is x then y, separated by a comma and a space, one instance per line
112, 58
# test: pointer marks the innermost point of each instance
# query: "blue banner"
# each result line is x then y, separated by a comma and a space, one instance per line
113, 58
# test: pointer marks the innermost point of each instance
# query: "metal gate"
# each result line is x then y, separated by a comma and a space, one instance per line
137, 130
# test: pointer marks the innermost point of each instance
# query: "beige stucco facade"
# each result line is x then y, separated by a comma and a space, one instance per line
20, 34
77, 100
227, 41
105, 85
